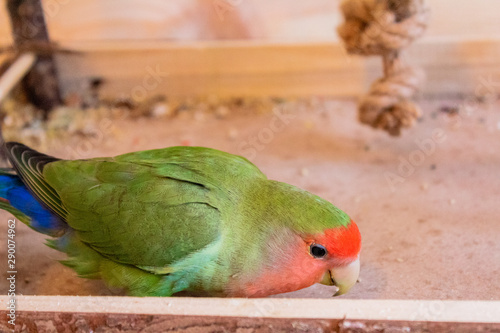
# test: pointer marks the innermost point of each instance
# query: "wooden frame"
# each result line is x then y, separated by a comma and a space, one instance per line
257, 68
140, 69
217, 314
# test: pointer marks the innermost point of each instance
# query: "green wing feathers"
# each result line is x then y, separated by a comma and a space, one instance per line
139, 220
115, 204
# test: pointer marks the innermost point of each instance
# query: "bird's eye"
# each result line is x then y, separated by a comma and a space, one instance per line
317, 251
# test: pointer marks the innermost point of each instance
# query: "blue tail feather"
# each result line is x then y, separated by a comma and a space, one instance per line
42, 219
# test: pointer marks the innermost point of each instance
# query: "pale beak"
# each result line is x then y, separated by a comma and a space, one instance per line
344, 277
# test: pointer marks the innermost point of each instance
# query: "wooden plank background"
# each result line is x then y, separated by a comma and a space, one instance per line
222, 68
277, 47
277, 20
281, 20
281, 69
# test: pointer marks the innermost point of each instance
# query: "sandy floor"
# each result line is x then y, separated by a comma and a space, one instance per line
427, 204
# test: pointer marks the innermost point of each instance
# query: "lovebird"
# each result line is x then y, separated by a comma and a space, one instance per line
190, 219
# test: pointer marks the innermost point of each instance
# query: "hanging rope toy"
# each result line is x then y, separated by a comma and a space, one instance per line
385, 27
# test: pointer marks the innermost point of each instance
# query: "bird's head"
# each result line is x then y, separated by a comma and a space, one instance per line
296, 260
301, 240
337, 251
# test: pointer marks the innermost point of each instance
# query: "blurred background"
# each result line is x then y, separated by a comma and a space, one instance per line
135, 75
272, 20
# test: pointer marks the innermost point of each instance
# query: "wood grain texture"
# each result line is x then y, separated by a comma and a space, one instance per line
260, 69
224, 69
49, 322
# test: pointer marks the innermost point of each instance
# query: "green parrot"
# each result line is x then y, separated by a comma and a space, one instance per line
189, 219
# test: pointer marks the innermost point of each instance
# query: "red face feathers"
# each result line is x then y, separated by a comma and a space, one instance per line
341, 243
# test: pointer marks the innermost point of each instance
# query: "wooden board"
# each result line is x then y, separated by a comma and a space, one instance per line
399, 310
290, 50
221, 68
340, 315
257, 69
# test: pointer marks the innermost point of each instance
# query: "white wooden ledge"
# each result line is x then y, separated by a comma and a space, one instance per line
400, 310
